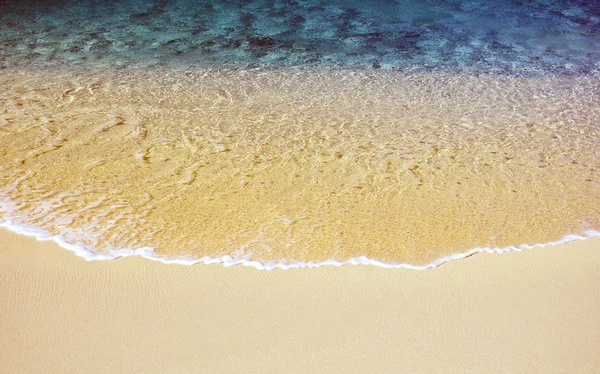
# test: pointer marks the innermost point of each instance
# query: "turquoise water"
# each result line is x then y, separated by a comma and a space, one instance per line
530, 37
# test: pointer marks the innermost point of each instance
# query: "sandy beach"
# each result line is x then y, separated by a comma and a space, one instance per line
299, 186
531, 311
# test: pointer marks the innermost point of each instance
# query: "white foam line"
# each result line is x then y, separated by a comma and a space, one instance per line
148, 253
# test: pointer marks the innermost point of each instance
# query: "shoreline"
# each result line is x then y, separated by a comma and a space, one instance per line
534, 311
227, 261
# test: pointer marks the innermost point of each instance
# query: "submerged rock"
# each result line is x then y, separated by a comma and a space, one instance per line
261, 41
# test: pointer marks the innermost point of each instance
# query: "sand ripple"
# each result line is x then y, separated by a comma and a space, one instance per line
298, 165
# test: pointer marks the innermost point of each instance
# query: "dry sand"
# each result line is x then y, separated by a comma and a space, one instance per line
535, 311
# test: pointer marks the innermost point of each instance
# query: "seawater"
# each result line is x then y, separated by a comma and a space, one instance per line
290, 133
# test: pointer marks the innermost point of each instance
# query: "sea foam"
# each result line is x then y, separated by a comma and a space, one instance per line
148, 253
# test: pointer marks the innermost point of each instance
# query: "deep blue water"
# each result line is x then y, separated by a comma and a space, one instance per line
501, 36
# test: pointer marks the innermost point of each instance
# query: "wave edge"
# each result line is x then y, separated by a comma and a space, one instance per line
148, 253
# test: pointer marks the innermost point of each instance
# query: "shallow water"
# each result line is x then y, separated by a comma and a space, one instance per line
300, 166
300, 131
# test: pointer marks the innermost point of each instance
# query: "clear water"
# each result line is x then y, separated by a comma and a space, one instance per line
500, 36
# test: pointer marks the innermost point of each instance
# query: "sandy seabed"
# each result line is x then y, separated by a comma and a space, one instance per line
298, 166
532, 311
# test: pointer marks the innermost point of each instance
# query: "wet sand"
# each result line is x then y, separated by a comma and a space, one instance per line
532, 311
